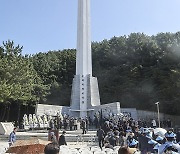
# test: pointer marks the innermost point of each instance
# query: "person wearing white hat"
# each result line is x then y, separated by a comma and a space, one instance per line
132, 143
170, 145
160, 139
153, 123
152, 143
156, 147
170, 136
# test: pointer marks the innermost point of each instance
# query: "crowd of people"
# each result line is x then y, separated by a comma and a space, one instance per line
70, 123
122, 131
126, 133
137, 134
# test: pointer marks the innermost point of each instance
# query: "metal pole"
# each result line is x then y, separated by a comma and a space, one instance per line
158, 114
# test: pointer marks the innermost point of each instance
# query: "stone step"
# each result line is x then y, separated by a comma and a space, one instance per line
71, 136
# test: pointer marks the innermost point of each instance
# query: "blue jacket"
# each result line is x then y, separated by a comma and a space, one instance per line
12, 137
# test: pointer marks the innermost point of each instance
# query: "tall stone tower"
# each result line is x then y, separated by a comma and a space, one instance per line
85, 91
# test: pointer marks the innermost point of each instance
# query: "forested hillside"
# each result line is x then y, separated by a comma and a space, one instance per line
136, 70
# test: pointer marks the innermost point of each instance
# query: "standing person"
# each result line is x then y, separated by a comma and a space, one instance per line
58, 122
75, 124
53, 138
178, 136
62, 140
143, 143
100, 135
153, 123
51, 124
87, 123
96, 121
65, 123
12, 137
169, 125
83, 125
71, 121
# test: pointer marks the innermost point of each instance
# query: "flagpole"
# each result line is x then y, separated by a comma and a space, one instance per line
157, 103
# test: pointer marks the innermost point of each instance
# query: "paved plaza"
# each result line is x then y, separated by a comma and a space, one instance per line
74, 139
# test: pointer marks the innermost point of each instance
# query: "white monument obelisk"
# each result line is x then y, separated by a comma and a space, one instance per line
85, 91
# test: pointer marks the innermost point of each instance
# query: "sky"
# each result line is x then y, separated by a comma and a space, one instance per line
43, 25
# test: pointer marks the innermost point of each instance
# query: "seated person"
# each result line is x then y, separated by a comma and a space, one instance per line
108, 145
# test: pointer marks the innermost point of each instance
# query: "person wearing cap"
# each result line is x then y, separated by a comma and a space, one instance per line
152, 143
170, 144
153, 123
62, 140
132, 143
170, 135
156, 147
160, 139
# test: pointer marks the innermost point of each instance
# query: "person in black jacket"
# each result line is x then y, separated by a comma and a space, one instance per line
62, 140
143, 143
100, 135
178, 136
83, 125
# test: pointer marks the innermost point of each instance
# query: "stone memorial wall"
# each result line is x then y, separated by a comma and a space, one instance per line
6, 128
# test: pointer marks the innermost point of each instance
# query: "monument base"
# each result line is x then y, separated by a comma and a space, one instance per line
85, 94
106, 109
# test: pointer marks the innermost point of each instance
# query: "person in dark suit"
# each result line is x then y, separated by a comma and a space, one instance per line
143, 143
100, 135
178, 136
62, 140
83, 125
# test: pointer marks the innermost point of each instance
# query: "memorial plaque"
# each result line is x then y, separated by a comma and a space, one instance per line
53, 110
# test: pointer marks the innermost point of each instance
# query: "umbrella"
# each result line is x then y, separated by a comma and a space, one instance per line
160, 131
33, 146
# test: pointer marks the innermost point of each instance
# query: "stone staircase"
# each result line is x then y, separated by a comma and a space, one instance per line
71, 136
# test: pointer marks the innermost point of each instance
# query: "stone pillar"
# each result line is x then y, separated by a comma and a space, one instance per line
85, 92
83, 55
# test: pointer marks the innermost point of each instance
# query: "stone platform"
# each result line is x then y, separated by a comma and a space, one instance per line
71, 136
